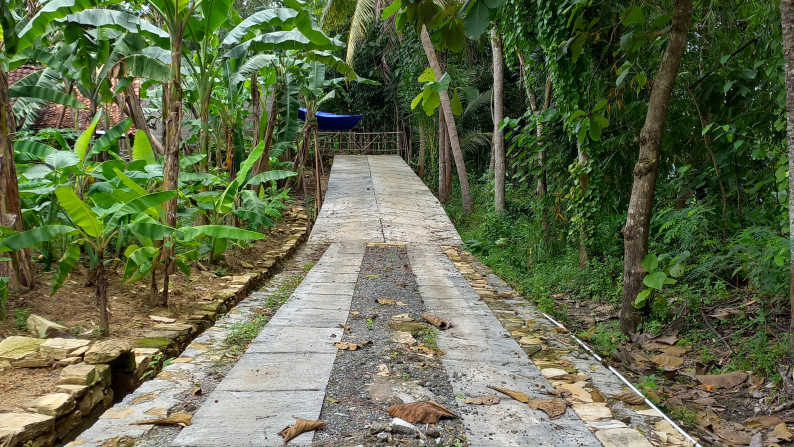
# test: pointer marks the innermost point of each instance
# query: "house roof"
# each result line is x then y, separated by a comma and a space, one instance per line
49, 115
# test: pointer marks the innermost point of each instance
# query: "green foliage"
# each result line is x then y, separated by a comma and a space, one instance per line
21, 318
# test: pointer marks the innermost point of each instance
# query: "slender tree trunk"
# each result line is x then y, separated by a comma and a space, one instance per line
787, 14
21, 266
172, 93
448, 157
583, 160
421, 153
139, 118
102, 295
318, 197
635, 233
498, 114
452, 130
443, 192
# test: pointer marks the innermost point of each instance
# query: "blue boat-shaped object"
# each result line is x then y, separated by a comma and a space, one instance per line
330, 121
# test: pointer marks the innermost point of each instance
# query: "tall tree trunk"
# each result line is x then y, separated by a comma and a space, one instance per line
21, 266
787, 14
443, 192
448, 157
452, 130
498, 114
635, 233
318, 197
172, 93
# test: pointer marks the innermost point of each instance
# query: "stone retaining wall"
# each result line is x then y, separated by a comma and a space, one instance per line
93, 376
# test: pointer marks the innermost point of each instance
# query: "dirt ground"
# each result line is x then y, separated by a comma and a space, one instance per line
74, 306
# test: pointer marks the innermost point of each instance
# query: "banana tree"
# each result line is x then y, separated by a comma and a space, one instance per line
15, 37
95, 228
238, 200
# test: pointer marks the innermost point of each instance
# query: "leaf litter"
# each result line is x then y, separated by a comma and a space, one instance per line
425, 412
301, 426
553, 407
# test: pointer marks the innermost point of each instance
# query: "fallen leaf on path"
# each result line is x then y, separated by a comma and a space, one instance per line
517, 395
631, 398
570, 377
427, 351
674, 350
160, 319
782, 432
729, 380
425, 412
437, 322
196, 391
385, 301
491, 399
301, 426
174, 419
667, 360
553, 407
561, 330
402, 317
401, 303
350, 346
400, 283
383, 370
731, 436
371, 276
763, 422
598, 396
347, 328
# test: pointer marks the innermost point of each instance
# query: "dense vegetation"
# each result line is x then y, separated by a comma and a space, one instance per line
579, 101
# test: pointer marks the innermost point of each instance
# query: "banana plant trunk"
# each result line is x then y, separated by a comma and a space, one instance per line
139, 117
263, 163
256, 107
635, 233
204, 134
318, 194
21, 267
452, 130
102, 295
173, 137
498, 114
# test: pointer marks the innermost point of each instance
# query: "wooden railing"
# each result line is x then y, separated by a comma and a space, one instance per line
363, 143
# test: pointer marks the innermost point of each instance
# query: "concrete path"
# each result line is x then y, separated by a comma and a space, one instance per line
285, 371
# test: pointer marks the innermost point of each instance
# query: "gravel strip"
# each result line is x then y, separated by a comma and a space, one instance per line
401, 364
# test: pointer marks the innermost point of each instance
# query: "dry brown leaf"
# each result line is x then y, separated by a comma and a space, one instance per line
385, 301
491, 399
674, 350
350, 346
553, 407
196, 391
383, 370
667, 360
174, 419
301, 426
598, 396
401, 303
402, 317
517, 395
631, 398
667, 339
437, 322
732, 436
570, 377
425, 412
347, 328
763, 422
427, 351
782, 432
729, 380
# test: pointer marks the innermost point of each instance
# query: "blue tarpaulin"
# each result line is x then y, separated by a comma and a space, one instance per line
330, 121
